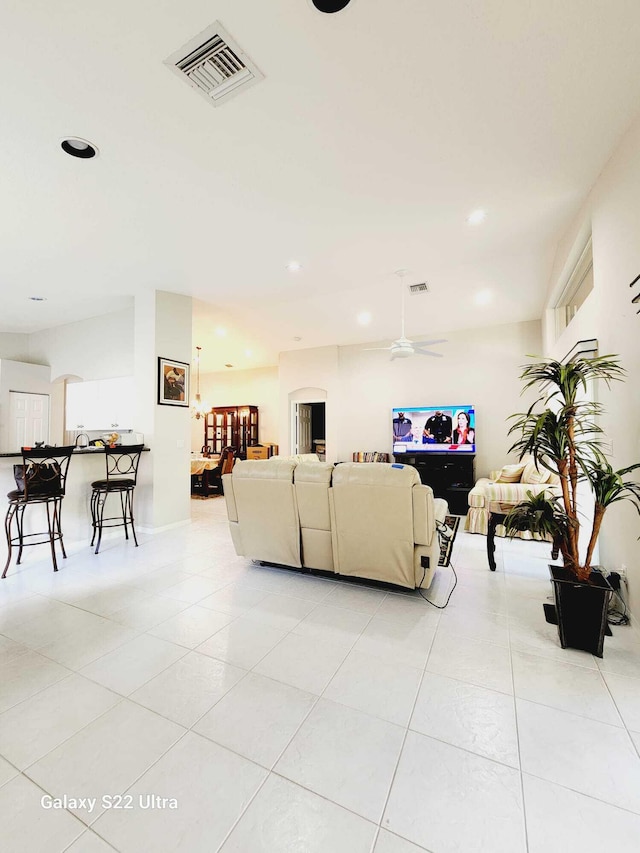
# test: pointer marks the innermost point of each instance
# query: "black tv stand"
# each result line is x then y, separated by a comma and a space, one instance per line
450, 475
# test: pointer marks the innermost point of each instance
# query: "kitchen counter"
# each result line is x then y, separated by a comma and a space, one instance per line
76, 508
79, 451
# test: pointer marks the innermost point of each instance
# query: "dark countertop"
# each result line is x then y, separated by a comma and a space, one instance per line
82, 451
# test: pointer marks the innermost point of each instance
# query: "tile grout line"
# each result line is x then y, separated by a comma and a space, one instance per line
635, 746
314, 705
406, 733
271, 771
525, 826
189, 729
582, 794
122, 697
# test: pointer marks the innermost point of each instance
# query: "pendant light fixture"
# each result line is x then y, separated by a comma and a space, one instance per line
197, 409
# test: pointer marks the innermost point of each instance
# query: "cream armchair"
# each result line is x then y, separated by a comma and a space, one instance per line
372, 521
524, 477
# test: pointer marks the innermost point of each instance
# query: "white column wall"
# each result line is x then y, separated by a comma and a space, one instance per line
162, 328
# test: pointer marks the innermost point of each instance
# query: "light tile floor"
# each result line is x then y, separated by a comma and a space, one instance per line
293, 713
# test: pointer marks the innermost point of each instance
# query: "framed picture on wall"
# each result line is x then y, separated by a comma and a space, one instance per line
173, 382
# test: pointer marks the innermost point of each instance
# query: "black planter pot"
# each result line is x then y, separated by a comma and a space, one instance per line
581, 608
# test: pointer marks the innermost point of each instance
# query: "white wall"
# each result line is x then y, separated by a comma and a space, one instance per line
14, 346
97, 348
480, 367
614, 213
312, 369
257, 387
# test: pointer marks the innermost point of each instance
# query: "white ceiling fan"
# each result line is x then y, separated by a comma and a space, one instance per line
403, 347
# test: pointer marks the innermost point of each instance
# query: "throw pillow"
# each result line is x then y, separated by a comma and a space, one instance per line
535, 476
510, 473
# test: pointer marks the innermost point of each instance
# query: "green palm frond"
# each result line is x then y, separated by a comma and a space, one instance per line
568, 380
560, 431
609, 486
540, 513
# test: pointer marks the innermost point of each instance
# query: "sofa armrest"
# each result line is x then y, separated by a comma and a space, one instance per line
477, 495
229, 497
424, 524
440, 509
514, 493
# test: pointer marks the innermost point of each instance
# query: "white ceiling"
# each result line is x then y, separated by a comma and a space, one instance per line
374, 134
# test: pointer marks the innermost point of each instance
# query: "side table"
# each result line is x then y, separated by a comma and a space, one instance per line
498, 511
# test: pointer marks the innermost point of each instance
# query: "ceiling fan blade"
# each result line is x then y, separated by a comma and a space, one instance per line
430, 343
375, 349
428, 352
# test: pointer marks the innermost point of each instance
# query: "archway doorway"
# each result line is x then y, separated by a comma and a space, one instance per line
308, 421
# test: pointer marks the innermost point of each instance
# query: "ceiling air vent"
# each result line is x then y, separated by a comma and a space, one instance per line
214, 65
419, 288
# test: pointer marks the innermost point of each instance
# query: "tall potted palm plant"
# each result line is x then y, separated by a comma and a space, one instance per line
560, 431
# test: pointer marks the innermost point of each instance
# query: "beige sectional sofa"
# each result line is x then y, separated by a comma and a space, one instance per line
373, 521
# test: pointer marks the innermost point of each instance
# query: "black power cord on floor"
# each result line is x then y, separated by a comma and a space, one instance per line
616, 615
443, 533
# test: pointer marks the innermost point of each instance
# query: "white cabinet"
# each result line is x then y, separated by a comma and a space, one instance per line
116, 403
82, 404
101, 404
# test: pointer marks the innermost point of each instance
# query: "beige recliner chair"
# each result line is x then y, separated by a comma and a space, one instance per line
263, 511
383, 522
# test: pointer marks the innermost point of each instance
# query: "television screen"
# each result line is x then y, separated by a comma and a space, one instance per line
434, 429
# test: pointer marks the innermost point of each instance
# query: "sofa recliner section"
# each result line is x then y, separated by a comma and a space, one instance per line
313, 484
263, 511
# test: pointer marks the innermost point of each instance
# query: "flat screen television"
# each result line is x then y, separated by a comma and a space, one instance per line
434, 429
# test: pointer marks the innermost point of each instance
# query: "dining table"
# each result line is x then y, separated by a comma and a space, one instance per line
201, 466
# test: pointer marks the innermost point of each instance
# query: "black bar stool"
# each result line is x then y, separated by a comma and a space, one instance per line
122, 474
41, 479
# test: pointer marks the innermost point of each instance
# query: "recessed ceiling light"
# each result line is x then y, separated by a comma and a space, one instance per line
330, 6
294, 266
248, 353
477, 217
228, 365
483, 297
364, 318
221, 332
38, 298
77, 147
297, 338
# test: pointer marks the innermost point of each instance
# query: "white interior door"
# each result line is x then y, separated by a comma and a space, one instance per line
28, 419
304, 429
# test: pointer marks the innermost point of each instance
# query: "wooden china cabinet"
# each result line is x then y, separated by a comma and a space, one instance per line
231, 426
